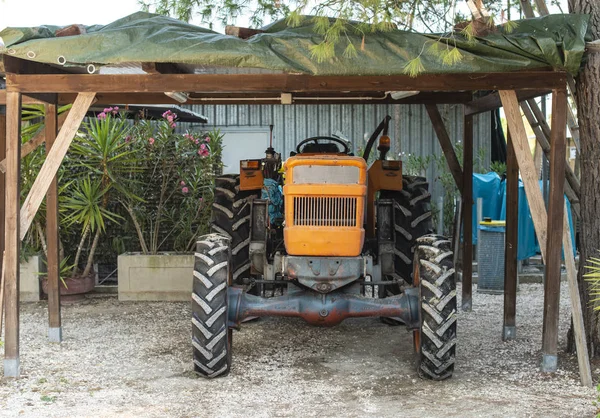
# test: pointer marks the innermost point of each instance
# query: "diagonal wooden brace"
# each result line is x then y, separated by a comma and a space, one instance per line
54, 159
445, 143
529, 176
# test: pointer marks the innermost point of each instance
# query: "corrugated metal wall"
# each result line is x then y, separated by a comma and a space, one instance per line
410, 129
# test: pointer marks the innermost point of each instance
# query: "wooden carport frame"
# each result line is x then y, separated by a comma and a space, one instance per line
28, 81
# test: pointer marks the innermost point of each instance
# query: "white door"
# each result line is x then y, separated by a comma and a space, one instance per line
241, 145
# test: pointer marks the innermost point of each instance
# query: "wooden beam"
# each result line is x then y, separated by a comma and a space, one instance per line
53, 261
13, 65
38, 139
520, 143
555, 232
278, 83
509, 329
11, 240
53, 160
467, 210
161, 68
492, 101
366, 97
30, 98
583, 359
240, 32
445, 143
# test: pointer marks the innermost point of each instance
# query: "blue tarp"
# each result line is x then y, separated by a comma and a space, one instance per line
493, 192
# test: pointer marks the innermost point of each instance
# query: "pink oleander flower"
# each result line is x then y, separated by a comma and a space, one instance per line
173, 125
128, 138
185, 190
196, 141
203, 152
107, 110
207, 139
151, 141
182, 183
102, 116
201, 200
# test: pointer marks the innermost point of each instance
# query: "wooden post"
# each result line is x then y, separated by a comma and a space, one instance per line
467, 196
509, 329
12, 241
555, 230
53, 262
54, 159
2, 209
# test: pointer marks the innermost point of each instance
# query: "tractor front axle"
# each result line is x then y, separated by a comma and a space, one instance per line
320, 309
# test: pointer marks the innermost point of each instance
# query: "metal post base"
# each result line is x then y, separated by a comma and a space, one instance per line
55, 335
12, 367
509, 333
467, 305
549, 363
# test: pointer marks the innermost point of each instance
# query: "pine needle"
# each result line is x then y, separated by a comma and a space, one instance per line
321, 24
510, 26
322, 51
414, 67
451, 56
350, 51
294, 19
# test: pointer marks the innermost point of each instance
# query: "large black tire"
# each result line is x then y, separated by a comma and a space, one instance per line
435, 341
231, 218
211, 336
413, 219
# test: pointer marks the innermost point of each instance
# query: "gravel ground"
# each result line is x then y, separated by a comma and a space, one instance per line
133, 359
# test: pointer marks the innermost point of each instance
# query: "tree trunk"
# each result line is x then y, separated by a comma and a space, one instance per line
90, 259
84, 235
588, 103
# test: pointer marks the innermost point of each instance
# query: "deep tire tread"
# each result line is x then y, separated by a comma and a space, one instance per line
211, 337
437, 351
231, 218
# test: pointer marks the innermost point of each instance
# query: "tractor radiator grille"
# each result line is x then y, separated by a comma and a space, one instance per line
325, 211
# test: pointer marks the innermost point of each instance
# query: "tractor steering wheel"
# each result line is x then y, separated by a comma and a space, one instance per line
316, 140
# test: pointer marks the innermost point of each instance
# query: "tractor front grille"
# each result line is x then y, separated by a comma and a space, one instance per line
325, 211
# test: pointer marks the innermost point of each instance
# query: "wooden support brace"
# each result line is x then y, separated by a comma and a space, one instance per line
53, 160
585, 373
543, 140
38, 139
53, 262
529, 176
445, 143
11, 240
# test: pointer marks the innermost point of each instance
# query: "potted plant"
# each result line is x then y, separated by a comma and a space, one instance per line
172, 191
95, 166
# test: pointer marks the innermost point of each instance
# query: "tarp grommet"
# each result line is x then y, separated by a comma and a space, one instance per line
30, 54
91, 68
61, 60
11, 51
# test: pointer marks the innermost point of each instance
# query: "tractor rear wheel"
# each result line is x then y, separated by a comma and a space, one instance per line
413, 219
435, 340
231, 218
211, 336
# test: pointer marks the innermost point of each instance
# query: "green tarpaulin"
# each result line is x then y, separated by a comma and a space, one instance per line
557, 41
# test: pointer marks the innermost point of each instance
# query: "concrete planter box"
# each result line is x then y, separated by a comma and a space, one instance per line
160, 277
29, 285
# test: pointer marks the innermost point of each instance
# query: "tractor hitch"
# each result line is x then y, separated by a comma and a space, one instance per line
323, 309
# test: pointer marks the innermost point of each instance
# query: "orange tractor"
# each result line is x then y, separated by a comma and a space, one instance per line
324, 238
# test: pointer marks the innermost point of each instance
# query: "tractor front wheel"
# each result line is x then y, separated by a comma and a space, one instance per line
211, 336
435, 340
